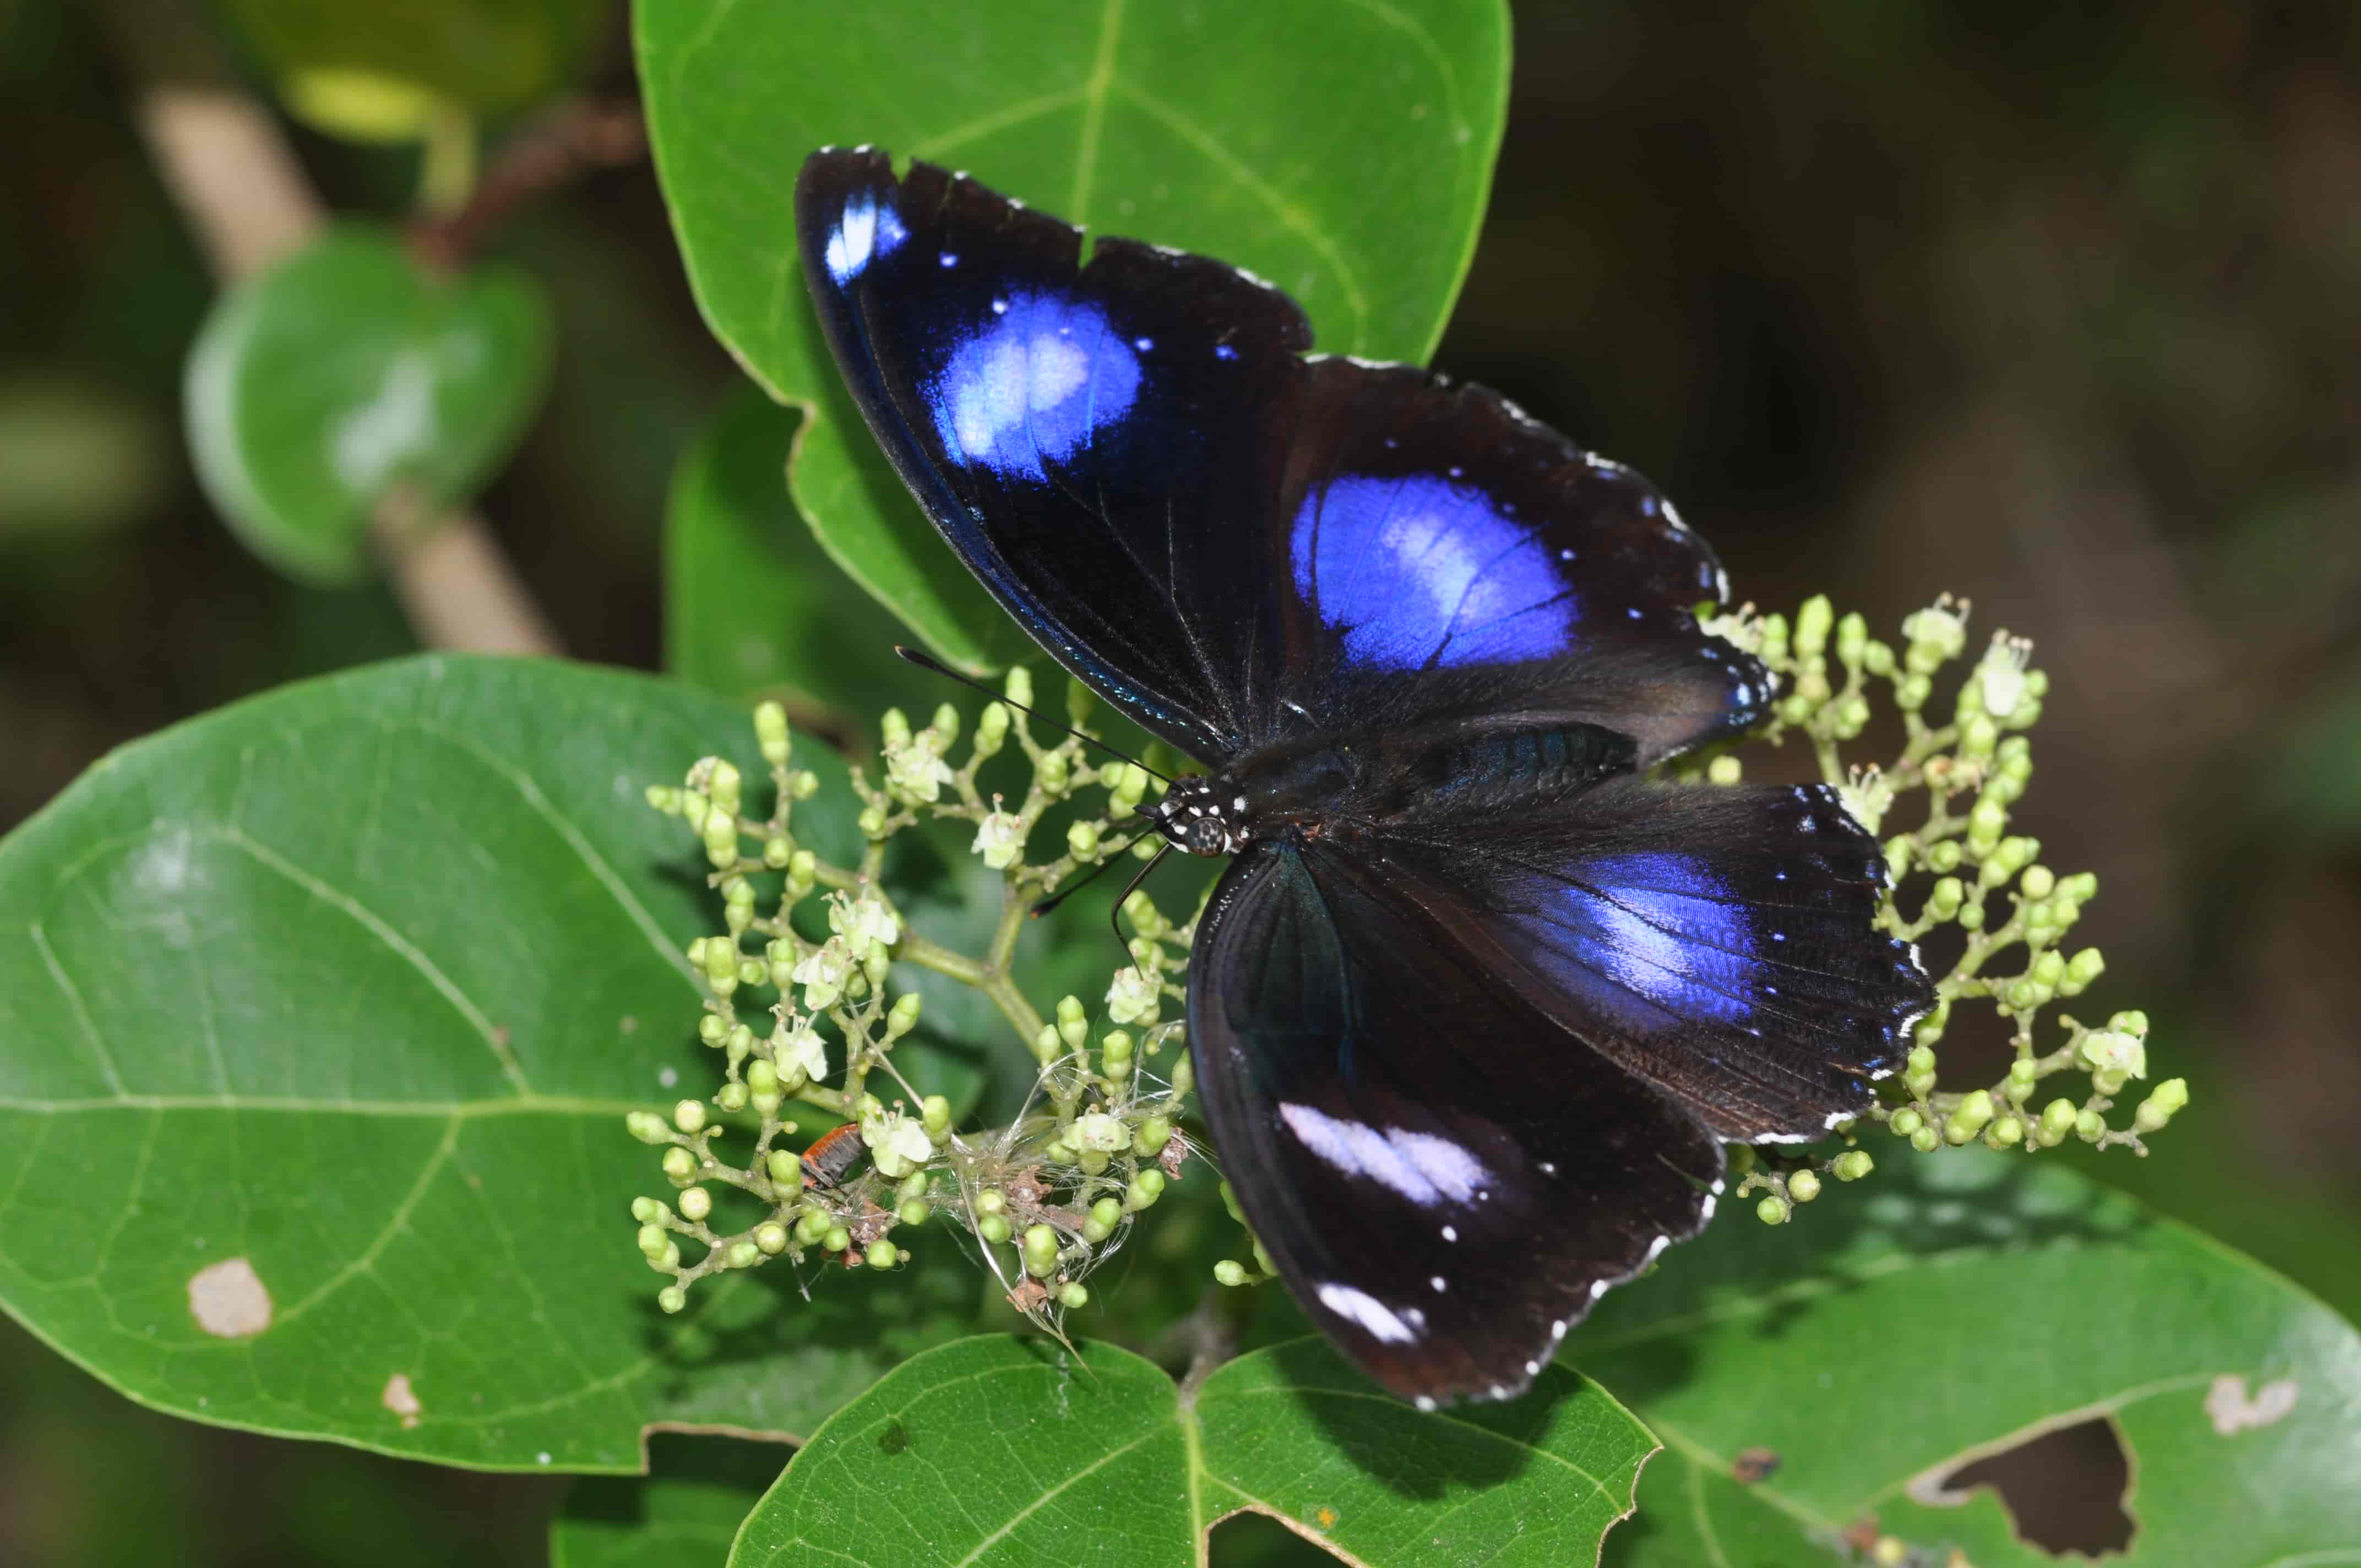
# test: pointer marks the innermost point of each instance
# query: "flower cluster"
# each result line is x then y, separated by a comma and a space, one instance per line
1957, 867
802, 1020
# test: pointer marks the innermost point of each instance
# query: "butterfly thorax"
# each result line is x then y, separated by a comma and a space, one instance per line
1377, 776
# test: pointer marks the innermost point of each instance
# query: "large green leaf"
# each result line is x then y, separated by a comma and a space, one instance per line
348, 369
318, 1018
683, 1514
1001, 1450
753, 605
1949, 1308
1343, 151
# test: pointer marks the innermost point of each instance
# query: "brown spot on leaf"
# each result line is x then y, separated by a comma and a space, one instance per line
401, 1400
1753, 1465
2232, 1410
229, 1301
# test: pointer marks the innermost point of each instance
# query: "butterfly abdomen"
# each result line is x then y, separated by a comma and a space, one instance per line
1515, 765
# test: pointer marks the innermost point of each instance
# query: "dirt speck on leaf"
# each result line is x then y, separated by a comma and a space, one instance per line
229, 1301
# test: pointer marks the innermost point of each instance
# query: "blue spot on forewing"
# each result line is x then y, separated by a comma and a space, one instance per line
1031, 385
864, 231
1416, 570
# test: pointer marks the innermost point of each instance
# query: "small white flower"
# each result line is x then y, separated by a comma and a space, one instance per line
1869, 795
1133, 998
2001, 675
801, 1056
1941, 628
1097, 1130
1739, 628
897, 1143
1000, 839
915, 770
2111, 1050
863, 920
822, 975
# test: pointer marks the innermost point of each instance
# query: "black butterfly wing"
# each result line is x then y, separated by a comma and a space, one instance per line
1444, 1178
1234, 543
1719, 942
1087, 438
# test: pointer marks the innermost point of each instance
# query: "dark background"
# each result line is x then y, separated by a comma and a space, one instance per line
2053, 306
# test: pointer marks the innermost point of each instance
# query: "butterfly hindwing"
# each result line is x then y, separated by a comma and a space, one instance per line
1719, 942
1445, 1179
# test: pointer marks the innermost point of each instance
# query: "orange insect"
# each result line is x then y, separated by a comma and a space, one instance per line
832, 1156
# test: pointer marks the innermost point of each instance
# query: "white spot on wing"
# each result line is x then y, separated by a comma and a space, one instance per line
1360, 1307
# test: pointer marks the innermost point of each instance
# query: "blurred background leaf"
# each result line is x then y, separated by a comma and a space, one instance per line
347, 371
488, 56
1299, 139
683, 1514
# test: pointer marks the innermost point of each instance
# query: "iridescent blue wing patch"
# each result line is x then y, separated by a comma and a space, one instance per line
1720, 943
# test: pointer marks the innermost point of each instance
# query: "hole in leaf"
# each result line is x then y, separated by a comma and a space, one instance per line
2065, 1489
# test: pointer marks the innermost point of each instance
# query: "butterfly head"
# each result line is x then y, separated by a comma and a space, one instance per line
1202, 815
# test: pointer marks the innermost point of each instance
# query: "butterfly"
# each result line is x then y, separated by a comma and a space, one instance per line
1477, 1001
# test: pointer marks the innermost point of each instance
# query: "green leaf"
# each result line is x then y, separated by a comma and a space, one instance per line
997, 1450
345, 370
683, 1514
1342, 151
323, 1013
487, 54
1952, 1307
752, 606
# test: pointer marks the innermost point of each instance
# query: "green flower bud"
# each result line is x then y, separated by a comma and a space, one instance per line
1041, 1251
1812, 623
1230, 1272
1772, 1210
787, 1171
770, 729
2057, 1121
1724, 769
2005, 1132
934, 1116
812, 1228
991, 730
771, 1237
1073, 1023
992, 1228
1851, 1165
1153, 1134
1911, 692
2089, 1127
1092, 1161
1852, 636
1130, 787
672, 1298
647, 1126
1905, 1121
803, 785
1138, 1195
1082, 841
648, 1210
666, 800
1971, 918
872, 822
1802, 1187
742, 1255
915, 1212
884, 1253
679, 1164
1926, 1140
947, 723
689, 1116
1975, 1109
991, 1201
1943, 902
1944, 857
903, 1017
1073, 1296
2158, 1108
837, 1239
731, 1097
696, 1203
652, 1240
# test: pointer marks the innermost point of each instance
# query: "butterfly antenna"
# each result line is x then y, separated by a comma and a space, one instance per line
1115, 916
1073, 888
929, 662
